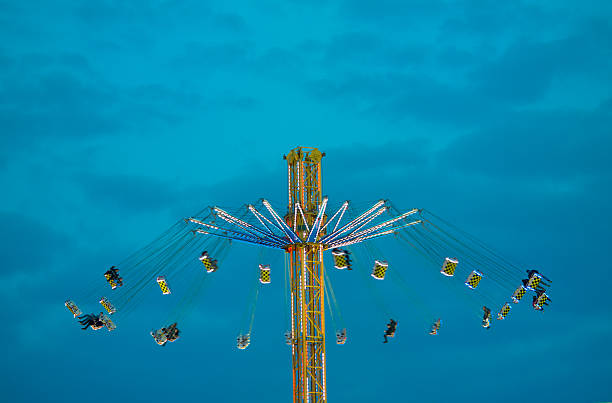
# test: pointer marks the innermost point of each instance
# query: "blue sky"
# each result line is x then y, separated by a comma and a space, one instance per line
118, 118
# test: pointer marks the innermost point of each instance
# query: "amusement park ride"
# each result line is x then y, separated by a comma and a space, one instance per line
304, 233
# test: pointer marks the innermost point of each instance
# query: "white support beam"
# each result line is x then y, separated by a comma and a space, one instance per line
352, 223
314, 232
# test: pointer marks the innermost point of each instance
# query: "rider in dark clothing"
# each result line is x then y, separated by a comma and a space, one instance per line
540, 290
535, 300
539, 287
486, 319
172, 332
390, 332
93, 320
435, 327
113, 274
532, 272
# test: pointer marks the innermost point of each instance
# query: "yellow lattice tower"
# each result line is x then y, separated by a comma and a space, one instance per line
306, 278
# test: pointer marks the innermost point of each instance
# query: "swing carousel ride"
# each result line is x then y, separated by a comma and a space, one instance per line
196, 246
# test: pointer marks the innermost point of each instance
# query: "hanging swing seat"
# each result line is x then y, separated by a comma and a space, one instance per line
107, 305
209, 263
449, 266
289, 338
379, 270
534, 281
243, 341
341, 336
163, 285
342, 259
505, 310
486, 319
160, 336
111, 281
73, 308
434, 328
113, 278
110, 325
539, 303
473, 279
166, 334
264, 274
518, 294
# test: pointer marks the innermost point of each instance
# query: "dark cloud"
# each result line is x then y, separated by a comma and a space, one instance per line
398, 96
8, 6
568, 144
75, 61
107, 12
58, 93
392, 11
61, 95
55, 105
355, 47
405, 155
280, 63
163, 15
231, 22
151, 103
5, 62
12, 16
28, 244
254, 183
127, 193
524, 72
139, 29
485, 91
491, 20
48, 96
361, 50
456, 57
211, 57
143, 195
232, 101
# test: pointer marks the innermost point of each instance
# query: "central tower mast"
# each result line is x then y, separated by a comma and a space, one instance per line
306, 277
